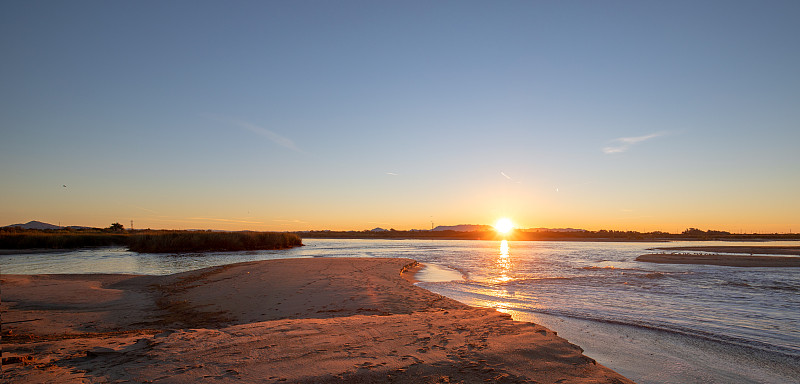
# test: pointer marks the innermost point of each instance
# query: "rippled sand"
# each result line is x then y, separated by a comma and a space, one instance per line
298, 320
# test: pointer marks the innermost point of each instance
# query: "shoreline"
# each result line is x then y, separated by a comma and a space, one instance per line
295, 320
778, 250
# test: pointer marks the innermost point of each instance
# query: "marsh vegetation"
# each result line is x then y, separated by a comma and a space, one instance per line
147, 241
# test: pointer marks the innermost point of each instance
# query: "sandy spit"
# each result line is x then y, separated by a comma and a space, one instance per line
743, 249
722, 260
353, 320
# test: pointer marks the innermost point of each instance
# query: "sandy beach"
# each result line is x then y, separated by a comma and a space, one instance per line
299, 320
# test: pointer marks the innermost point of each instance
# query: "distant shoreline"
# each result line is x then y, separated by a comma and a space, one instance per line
24, 241
25, 251
598, 236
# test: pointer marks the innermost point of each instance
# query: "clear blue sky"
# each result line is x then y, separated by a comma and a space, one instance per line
642, 115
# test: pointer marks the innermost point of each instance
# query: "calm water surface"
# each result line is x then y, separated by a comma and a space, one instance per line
651, 322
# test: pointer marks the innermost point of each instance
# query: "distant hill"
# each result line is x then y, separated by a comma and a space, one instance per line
35, 225
463, 228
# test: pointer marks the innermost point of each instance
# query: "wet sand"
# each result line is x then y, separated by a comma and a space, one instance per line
298, 320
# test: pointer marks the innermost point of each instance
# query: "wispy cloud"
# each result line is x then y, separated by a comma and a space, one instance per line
272, 136
261, 131
622, 144
391, 173
510, 178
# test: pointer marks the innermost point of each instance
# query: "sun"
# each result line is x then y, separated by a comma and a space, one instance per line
504, 225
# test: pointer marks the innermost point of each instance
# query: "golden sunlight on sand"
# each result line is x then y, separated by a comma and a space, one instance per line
318, 320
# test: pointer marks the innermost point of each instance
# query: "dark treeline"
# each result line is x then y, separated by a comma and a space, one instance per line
146, 240
601, 235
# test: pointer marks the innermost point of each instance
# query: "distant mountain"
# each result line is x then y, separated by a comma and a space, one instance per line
464, 228
35, 225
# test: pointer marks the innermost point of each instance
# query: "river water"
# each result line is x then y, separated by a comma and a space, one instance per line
654, 323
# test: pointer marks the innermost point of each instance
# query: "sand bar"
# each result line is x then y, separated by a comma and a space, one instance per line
722, 260
744, 249
299, 320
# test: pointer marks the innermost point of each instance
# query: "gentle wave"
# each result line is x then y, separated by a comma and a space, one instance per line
789, 352
521, 302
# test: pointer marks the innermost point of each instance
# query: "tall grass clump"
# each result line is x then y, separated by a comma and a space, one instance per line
186, 241
60, 240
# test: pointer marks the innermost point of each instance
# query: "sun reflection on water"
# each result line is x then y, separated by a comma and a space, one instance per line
503, 269
504, 248
503, 263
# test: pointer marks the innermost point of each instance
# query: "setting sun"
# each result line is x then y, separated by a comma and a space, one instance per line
504, 225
